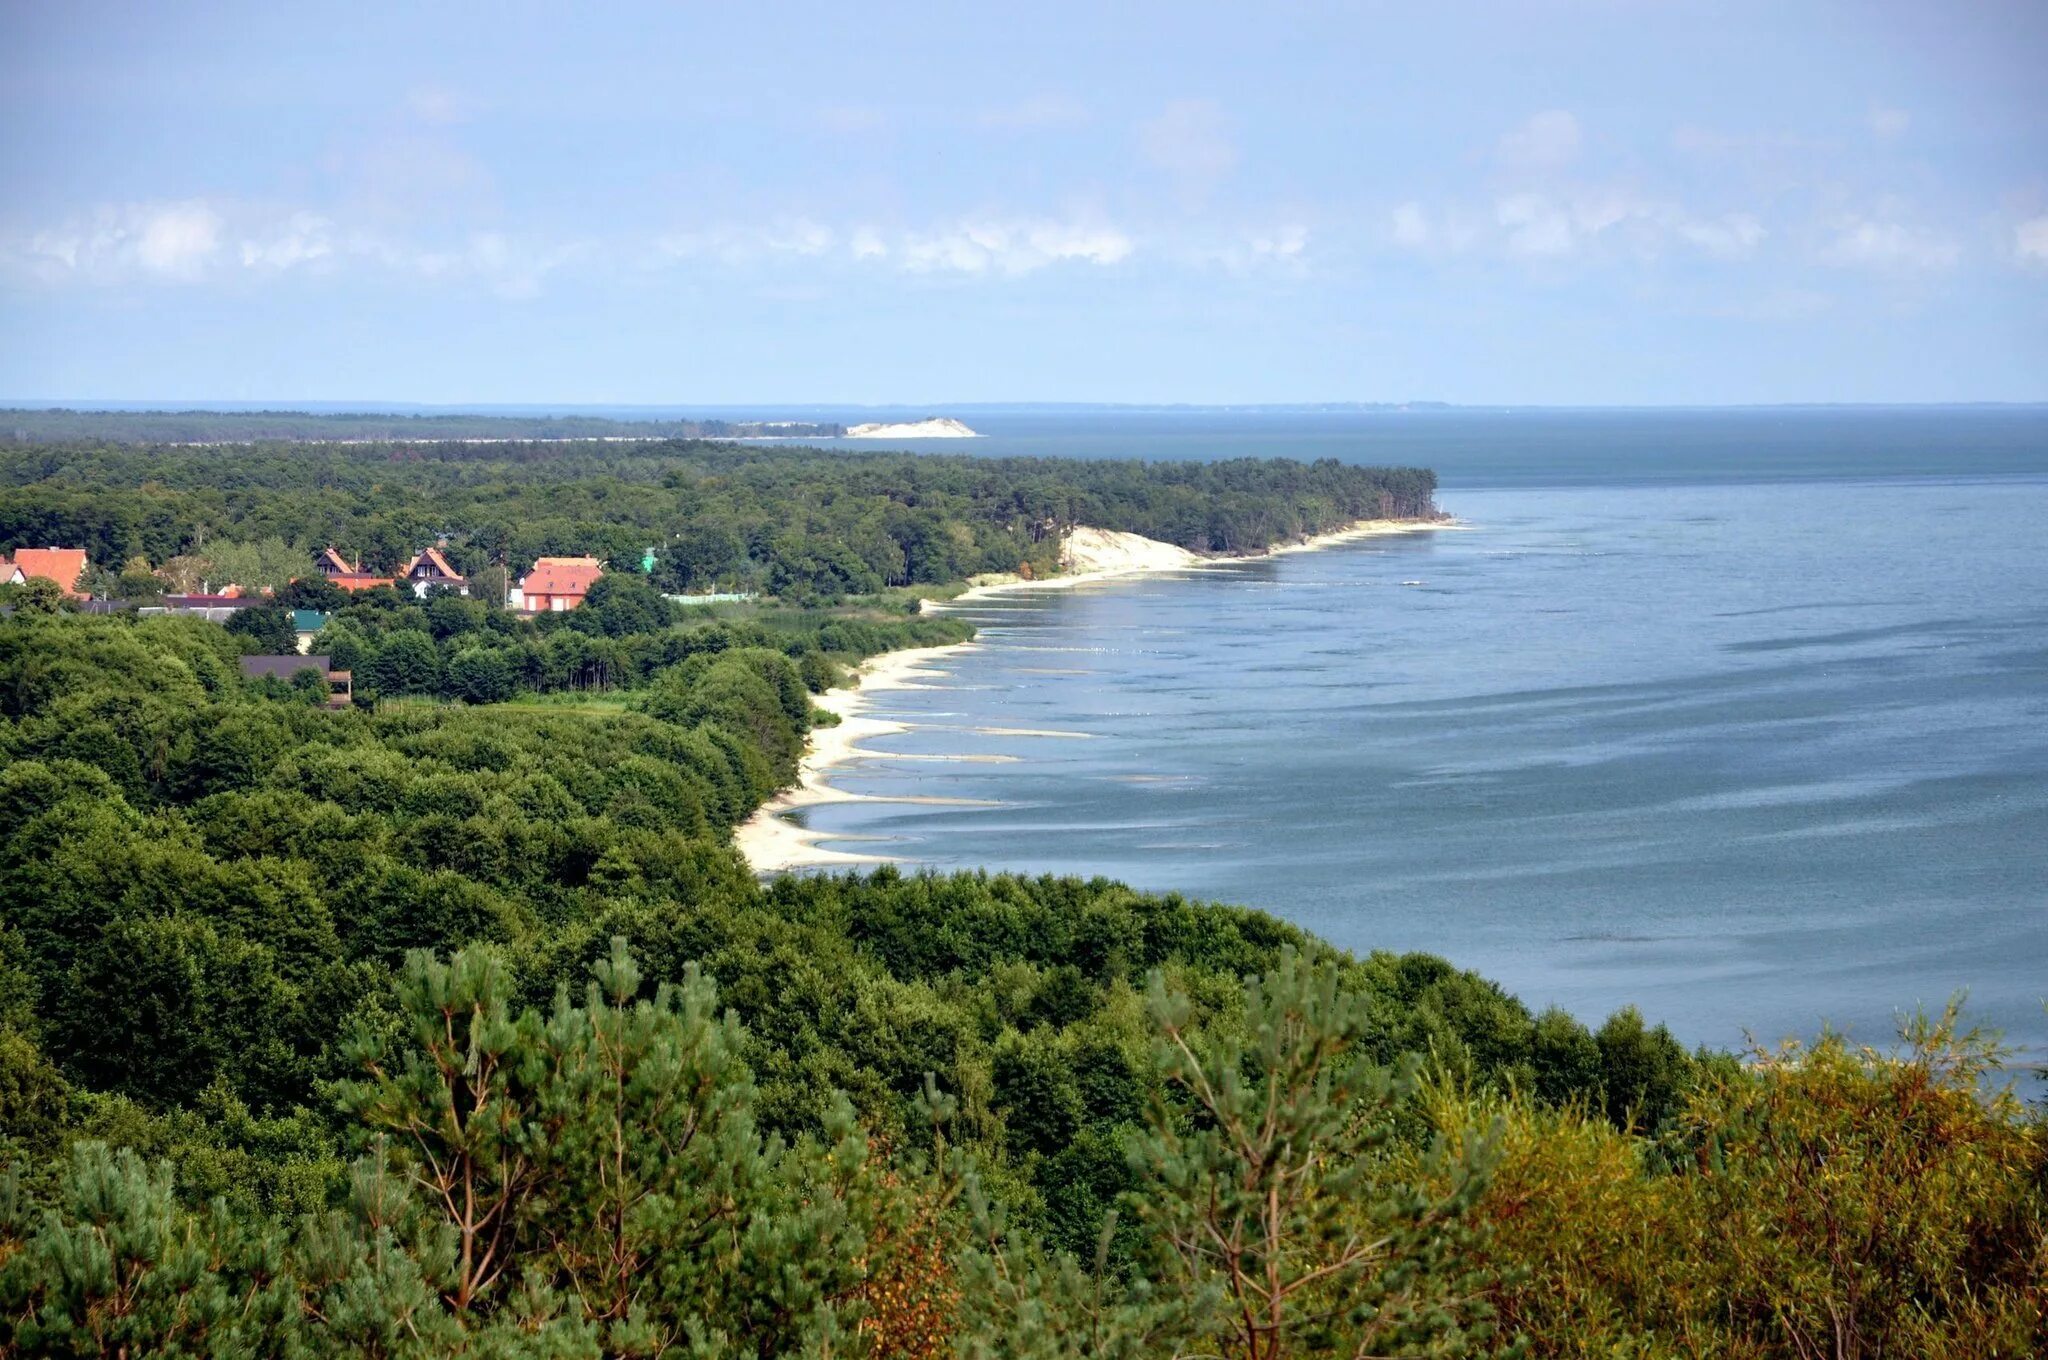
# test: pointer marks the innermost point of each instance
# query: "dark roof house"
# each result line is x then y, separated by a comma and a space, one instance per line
224, 600
340, 684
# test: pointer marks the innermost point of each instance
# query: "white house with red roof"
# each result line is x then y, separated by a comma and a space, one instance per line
556, 584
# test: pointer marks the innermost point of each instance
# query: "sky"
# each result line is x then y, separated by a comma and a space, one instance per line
1580, 203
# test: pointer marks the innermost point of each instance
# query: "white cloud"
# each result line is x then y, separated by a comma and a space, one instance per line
1286, 242
743, 245
983, 246
1577, 221
172, 241
511, 267
306, 238
1733, 237
1440, 229
978, 245
1038, 111
2030, 239
866, 244
1278, 250
1889, 123
1190, 141
1889, 246
177, 239
1596, 210
1535, 226
799, 237
1548, 140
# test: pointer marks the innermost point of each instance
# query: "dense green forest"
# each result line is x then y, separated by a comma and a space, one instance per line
452, 1024
31, 426
805, 524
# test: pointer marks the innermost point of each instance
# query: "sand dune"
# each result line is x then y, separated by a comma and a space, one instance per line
935, 427
1089, 555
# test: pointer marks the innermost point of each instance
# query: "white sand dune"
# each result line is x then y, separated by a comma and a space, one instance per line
935, 427
1106, 552
1089, 555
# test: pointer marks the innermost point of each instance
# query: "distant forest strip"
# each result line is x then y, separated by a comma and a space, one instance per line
811, 525
28, 425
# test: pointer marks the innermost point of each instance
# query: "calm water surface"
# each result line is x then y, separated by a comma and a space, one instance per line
1747, 755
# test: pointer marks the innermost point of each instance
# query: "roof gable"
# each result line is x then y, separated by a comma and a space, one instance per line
436, 565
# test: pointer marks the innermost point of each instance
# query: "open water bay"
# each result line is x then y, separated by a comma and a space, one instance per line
1749, 755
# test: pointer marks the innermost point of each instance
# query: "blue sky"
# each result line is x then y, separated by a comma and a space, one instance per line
1560, 203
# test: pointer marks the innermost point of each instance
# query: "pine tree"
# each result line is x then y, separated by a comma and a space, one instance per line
1268, 1187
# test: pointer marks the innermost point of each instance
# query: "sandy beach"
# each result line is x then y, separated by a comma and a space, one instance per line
770, 841
773, 844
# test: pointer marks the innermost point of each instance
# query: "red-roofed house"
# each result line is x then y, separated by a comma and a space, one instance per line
430, 569
65, 566
347, 575
556, 584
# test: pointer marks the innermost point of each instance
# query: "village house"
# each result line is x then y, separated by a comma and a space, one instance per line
340, 684
306, 625
217, 608
429, 570
556, 584
349, 575
65, 566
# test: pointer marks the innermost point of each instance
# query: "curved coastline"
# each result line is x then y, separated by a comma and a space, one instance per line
773, 844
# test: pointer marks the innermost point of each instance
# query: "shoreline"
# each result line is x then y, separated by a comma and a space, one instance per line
773, 844
768, 840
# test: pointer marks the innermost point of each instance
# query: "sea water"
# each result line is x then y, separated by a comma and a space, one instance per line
1754, 739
